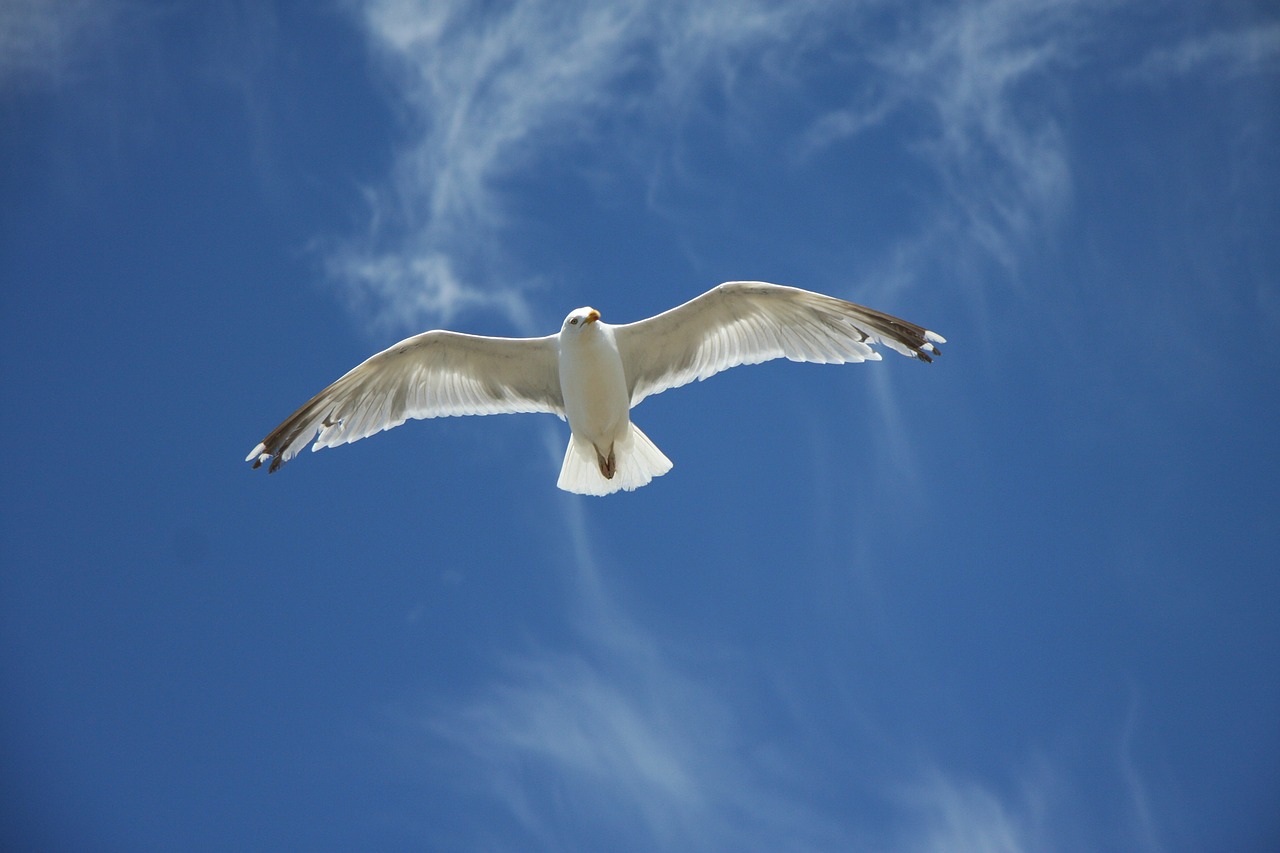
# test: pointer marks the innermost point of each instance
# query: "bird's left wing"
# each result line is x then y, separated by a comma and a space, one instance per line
747, 322
430, 375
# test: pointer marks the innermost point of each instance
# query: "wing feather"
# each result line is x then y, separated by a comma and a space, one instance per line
747, 322
434, 374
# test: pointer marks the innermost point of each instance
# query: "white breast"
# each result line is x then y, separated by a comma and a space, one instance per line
594, 385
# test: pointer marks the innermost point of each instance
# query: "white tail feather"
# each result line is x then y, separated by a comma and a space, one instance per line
637, 459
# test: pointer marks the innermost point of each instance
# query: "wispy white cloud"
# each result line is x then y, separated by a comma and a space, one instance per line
1145, 827
1229, 53
621, 740
487, 90
624, 739
618, 739
974, 90
947, 814
44, 42
978, 79
620, 745
593, 746
487, 94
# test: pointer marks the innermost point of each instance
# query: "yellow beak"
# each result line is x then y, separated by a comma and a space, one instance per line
593, 315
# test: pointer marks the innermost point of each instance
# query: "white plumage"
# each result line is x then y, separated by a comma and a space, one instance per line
592, 374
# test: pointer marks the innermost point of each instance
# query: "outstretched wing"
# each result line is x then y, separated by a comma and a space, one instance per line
430, 375
747, 322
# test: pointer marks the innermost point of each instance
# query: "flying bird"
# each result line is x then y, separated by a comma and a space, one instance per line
592, 374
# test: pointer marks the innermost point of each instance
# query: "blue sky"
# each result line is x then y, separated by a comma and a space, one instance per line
1023, 599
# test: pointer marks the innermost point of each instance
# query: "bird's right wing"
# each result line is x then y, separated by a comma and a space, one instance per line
747, 322
430, 375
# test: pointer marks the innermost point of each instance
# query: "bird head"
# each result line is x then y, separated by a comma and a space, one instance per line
580, 318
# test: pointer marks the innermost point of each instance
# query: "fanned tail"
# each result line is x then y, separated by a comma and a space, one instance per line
636, 461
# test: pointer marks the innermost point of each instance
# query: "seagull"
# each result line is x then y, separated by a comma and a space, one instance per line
592, 374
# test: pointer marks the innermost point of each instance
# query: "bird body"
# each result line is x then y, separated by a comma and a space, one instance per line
592, 374
592, 381
606, 451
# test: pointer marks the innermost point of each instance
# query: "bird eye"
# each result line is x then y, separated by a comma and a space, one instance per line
573, 322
